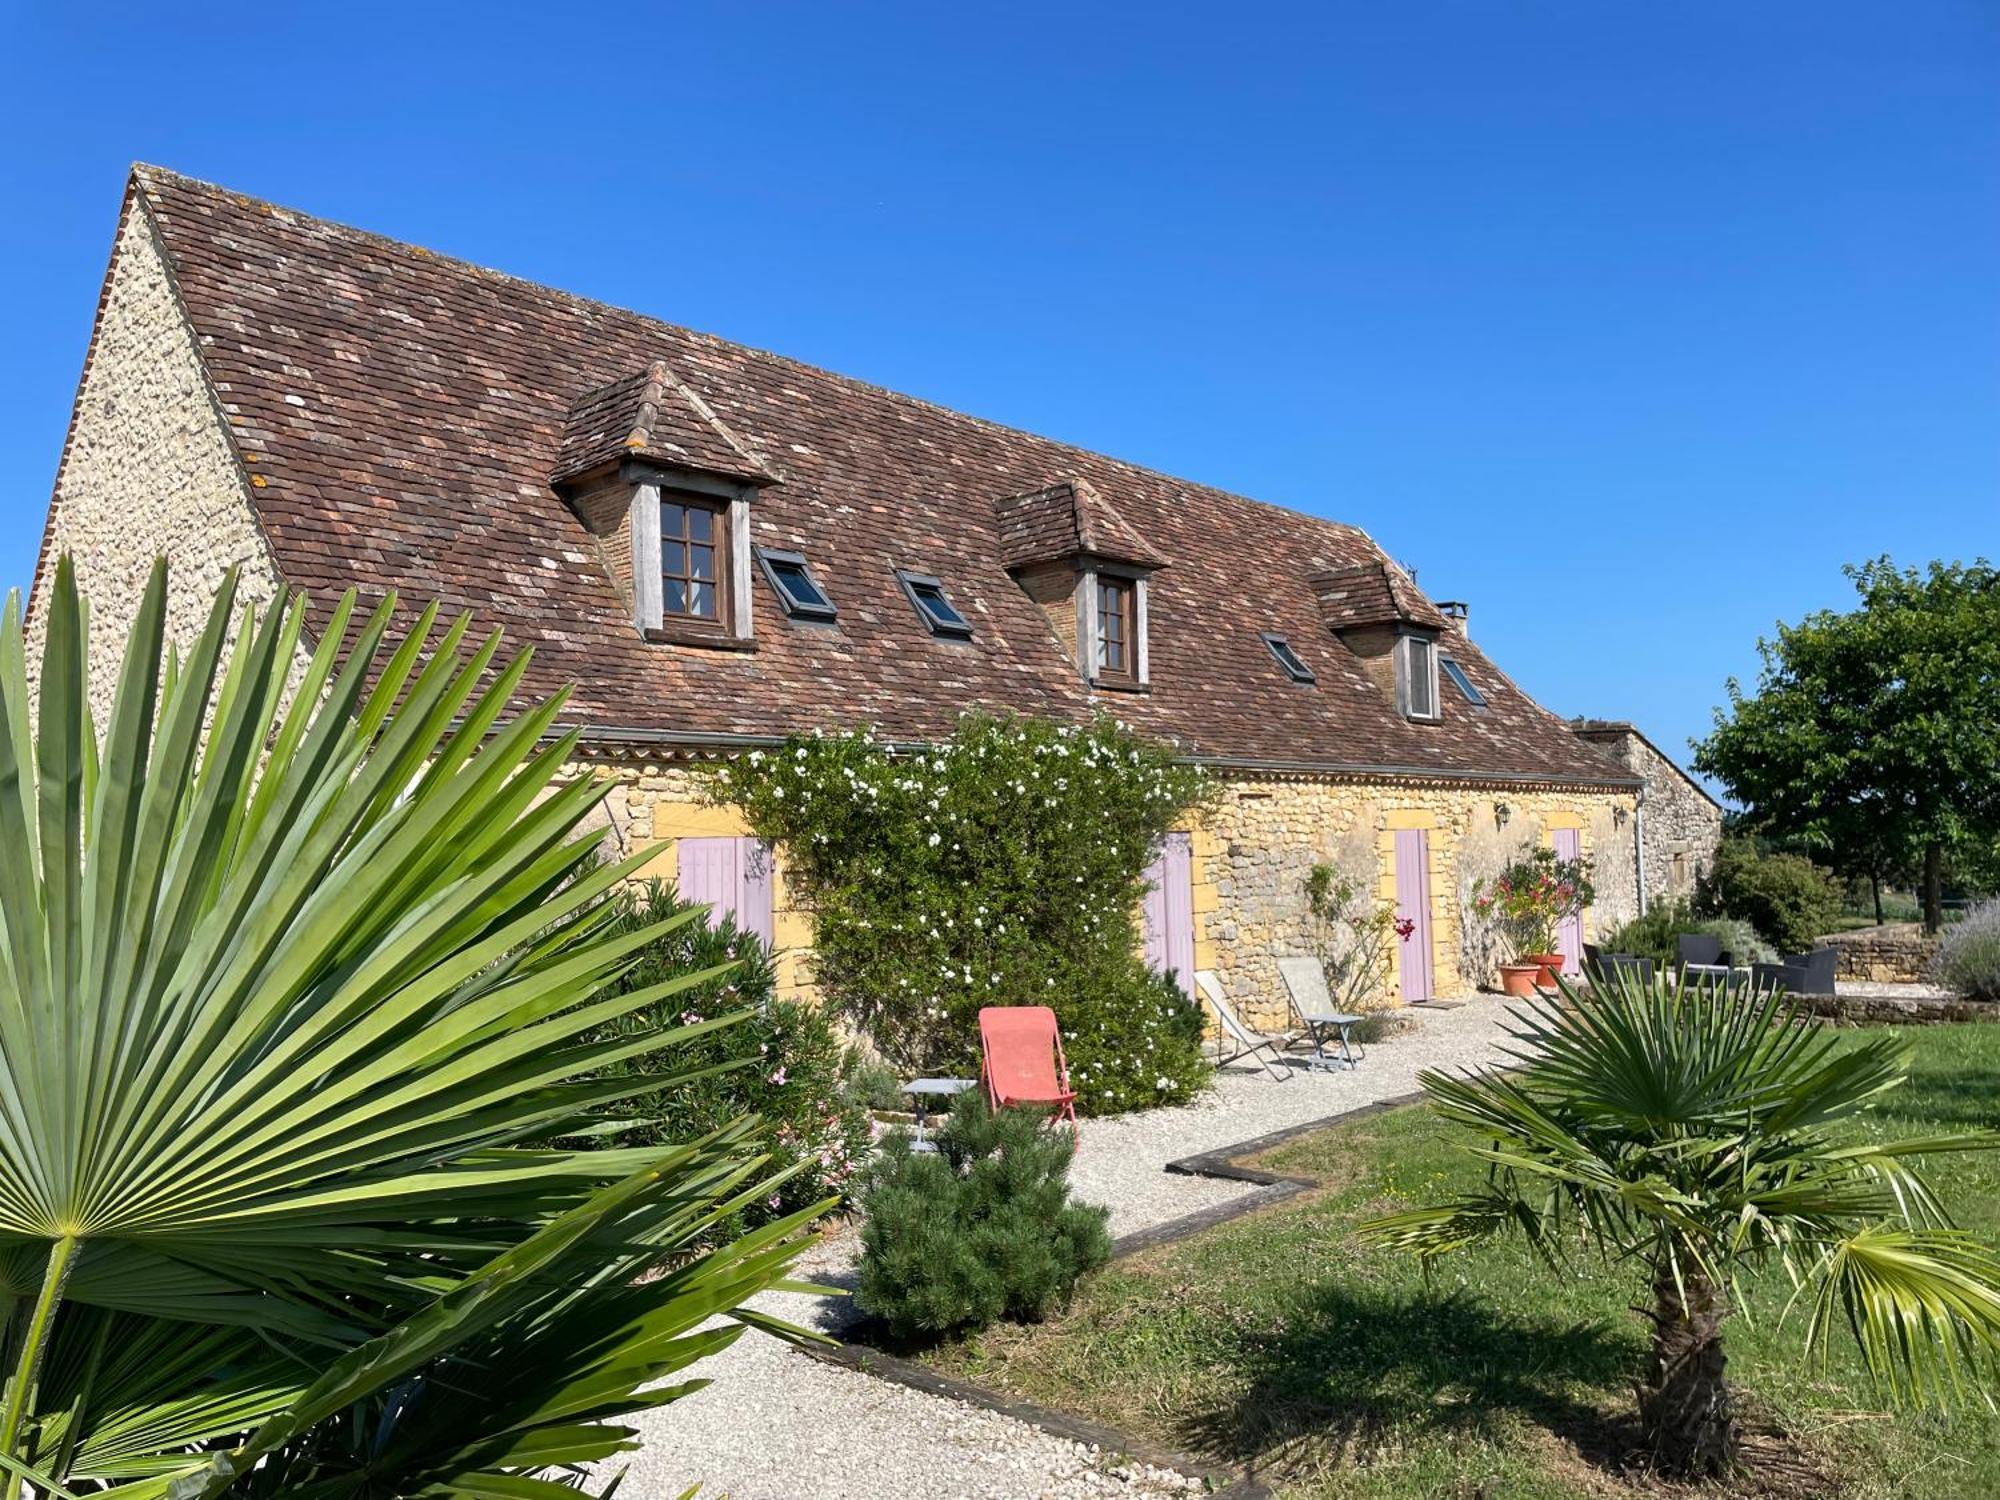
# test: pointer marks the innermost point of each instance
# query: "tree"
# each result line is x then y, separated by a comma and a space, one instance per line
1698, 1135
292, 974
1874, 735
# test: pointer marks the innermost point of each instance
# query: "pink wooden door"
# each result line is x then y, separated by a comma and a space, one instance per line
732, 876
1413, 904
1169, 910
1569, 936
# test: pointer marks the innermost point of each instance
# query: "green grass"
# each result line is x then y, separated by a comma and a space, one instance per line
1339, 1373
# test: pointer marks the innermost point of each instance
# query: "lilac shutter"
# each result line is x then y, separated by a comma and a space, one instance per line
1569, 937
1169, 910
732, 876
1413, 904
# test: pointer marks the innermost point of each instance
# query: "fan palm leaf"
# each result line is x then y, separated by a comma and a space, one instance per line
300, 958
1702, 1134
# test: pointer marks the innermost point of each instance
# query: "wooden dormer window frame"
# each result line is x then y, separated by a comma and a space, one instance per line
1111, 628
665, 567
1417, 677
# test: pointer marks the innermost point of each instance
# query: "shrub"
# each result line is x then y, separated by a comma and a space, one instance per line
1652, 936
1351, 931
1968, 956
1004, 867
981, 1229
784, 1063
1789, 900
1530, 899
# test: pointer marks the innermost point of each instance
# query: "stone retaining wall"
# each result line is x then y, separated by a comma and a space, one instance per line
1896, 953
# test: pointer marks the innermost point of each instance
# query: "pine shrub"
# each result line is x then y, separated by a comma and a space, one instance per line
1968, 956
979, 1230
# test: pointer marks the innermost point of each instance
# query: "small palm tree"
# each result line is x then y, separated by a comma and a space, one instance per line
1700, 1136
300, 958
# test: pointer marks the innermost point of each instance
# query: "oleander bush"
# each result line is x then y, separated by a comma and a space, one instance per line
1968, 956
1790, 900
979, 1230
1004, 866
784, 1062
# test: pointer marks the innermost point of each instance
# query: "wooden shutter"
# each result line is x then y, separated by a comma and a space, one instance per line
732, 875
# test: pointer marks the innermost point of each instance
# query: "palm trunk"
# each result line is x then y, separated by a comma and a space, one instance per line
1686, 1404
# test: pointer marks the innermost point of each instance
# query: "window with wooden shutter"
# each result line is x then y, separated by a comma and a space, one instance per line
731, 876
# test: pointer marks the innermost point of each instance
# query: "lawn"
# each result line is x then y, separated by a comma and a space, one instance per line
1338, 1373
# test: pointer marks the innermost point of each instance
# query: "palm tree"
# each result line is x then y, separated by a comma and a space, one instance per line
1699, 1135
298, 961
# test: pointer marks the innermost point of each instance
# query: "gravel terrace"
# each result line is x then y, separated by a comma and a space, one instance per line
777, 1425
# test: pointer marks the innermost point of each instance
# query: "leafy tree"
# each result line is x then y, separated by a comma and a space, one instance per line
1874, 735
1789, 900
1700, 1136
289, 972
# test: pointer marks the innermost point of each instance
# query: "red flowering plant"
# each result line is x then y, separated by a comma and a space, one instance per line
1531, 899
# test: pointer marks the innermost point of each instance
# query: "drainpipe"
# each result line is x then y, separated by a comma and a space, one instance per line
1639, 844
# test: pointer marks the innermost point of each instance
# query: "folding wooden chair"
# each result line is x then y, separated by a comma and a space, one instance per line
1022, 1059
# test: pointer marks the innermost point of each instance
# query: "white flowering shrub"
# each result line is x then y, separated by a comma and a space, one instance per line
1004, 867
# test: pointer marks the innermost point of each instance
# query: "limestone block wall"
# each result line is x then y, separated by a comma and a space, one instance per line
1251, 857
147, 470
1683, 826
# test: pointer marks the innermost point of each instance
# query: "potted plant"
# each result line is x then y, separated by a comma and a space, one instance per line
1529, 901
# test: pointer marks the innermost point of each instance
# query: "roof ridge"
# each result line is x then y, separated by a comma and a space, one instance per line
144, 170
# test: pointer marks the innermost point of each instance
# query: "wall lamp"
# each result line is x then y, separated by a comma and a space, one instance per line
1501, 813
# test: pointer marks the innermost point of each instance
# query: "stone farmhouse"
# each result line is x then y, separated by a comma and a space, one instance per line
1680, 824
720, 546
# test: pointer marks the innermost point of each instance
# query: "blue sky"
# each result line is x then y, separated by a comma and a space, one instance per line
1627, 323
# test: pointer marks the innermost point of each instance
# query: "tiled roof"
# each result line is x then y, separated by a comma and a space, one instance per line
650, 414
1376, 592
403, 415
1068, 519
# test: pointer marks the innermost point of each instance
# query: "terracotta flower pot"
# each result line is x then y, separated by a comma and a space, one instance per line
1519, 979
1551, 964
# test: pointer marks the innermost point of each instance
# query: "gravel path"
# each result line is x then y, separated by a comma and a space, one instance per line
777, 1425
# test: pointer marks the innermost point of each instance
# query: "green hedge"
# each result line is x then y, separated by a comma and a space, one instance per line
1001, 867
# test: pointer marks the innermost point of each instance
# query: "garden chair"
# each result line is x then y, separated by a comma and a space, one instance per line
1236, 1034
1799, 973
1637, 966
1305, 986
1021, 1059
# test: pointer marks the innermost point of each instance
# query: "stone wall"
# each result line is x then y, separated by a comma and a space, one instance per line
1682, 825
1252, 855
1896, 953
147, 470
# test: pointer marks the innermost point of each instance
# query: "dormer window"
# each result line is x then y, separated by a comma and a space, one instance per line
1417, 676
933, 606
798, 591
693, 563
1118, 625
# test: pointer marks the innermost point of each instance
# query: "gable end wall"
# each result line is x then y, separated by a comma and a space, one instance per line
148, 469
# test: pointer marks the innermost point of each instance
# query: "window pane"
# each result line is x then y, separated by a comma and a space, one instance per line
673, 520
1463, 683
938, 607
703, 562
700, 523
674, 600
702, 596
797, 582
673, 559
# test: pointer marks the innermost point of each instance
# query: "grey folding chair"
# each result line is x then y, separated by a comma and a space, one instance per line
1248, 1043
1305, 984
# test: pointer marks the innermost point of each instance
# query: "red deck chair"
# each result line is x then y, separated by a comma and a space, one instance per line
1023, 1059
